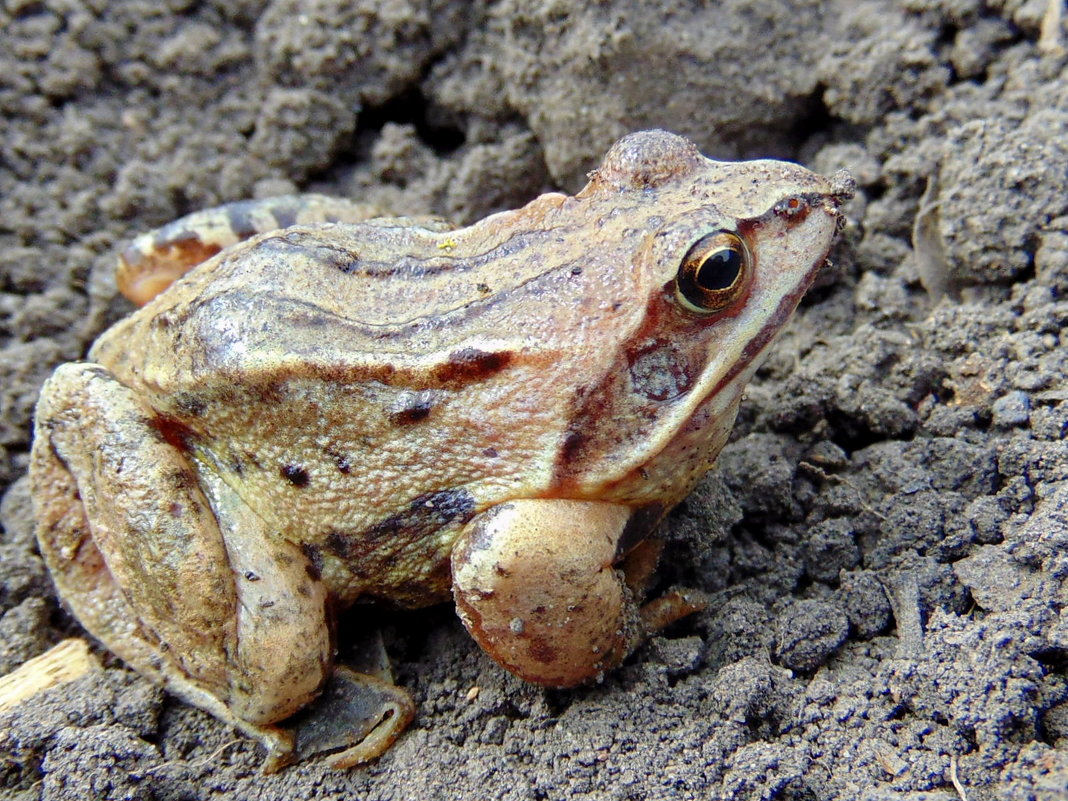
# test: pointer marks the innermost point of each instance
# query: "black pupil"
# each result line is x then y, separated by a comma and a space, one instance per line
719, 270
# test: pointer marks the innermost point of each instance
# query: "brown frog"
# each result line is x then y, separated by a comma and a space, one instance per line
387, 409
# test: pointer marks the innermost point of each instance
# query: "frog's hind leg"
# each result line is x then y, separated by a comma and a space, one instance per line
168, 567
155, 260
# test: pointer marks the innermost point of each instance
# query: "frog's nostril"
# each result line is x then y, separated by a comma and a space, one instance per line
794, 206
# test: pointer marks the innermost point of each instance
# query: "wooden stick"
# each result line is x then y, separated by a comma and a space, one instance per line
62, 663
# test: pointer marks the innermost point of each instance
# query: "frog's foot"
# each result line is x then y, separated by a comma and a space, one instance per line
355, 719
167, 566
155, 260
552, 589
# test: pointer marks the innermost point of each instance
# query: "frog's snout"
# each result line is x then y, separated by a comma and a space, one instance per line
834, 193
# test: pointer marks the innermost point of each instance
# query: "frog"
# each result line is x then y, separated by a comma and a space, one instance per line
321, 409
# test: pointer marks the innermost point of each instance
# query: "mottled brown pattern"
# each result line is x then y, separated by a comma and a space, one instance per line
468, 365
374, 393
414, 412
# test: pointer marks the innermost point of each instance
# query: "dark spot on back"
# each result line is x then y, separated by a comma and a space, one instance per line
337, 543
572, 447
343, 462
173, 432
294, 474
425, 515
315, 560
412, 412
271, 391
468, 365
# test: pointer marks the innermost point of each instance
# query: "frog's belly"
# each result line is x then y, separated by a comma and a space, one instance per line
402, 556
374, 521
363, 545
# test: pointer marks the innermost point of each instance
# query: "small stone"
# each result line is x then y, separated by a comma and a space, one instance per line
830, 548
680, 655
493, 733
865, 603
808, 632
1012, 409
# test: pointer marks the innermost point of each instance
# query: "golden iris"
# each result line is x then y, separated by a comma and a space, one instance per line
714, 273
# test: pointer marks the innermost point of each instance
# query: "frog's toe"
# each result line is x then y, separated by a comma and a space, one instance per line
355, 719
674, 605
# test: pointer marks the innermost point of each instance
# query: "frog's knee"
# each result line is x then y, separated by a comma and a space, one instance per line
536, 586
155, 260
165, 563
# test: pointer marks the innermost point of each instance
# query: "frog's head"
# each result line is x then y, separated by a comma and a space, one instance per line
725, 255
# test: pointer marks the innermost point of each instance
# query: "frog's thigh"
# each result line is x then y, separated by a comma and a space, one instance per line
155, 260
135, 548
536, 585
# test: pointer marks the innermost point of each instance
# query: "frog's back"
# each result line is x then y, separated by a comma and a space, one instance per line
388, 299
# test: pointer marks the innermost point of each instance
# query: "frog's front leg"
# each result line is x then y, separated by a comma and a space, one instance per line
166, 565
552, 589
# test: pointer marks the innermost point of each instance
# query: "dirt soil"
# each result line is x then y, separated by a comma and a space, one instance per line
886, 537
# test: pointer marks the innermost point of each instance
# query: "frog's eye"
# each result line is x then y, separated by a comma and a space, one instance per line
714, 273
